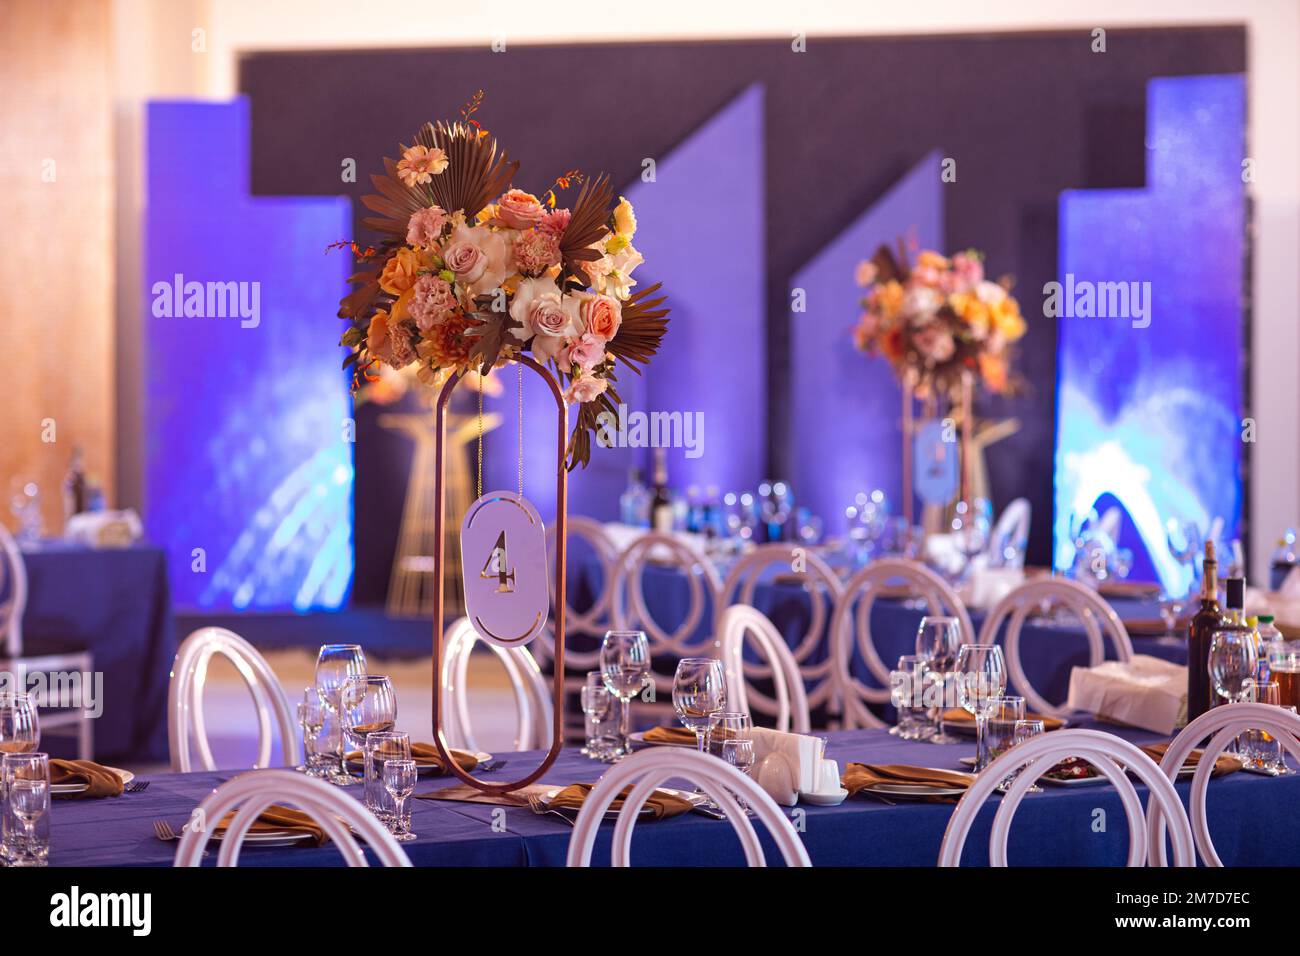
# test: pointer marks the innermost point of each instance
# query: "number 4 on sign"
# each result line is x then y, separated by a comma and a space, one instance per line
497, 567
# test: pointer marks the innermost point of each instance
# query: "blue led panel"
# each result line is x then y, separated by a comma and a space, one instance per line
1149, 405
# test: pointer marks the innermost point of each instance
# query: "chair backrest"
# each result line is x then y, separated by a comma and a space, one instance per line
583, 630
1098, 619
1012, 529
798, 566
256, 790
740, 621
534, 711
13, 594
1110, 755
851, 628
185, 722
632, 611
1222, 725
647, 769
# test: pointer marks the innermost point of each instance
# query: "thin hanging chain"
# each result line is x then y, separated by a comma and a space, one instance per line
521, 430
478, 480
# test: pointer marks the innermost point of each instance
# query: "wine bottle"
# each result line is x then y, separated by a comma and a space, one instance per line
661, 501
1208, 619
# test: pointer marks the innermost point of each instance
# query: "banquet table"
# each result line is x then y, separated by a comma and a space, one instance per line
1251, 819
115, 603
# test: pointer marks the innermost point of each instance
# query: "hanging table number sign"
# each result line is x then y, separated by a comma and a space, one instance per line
503, 562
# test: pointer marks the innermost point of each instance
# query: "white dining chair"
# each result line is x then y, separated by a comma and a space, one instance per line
338, 815
61, 711
1098, 619
1222, 725
185, 722
851, 629
583, 629
534, 711
1010, 533
631, 610
740, 621
645, 770
778, 564
1111, 755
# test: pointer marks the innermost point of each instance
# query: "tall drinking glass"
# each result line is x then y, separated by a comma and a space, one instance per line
699, 694
938, 639
379, 748
335, 664
981, 678
25, 827
599, 718
907, 687
625, 668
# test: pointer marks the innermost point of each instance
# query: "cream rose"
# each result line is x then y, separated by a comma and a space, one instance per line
479, 257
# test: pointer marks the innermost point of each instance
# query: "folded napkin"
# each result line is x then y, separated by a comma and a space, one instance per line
958, 716
669, 735
1154, 626
1143, 691
859, 775
426, 756
1129, 589
275, 818
1224, 765
101, 781
662, 804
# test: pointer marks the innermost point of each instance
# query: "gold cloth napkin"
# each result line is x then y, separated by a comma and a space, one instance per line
1224, 765
669, 735
426, 756
961, 716
101, 781
662, 804
1129, 589
277, 817
859, 775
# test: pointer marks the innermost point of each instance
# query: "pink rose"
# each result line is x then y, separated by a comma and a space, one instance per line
479, 257
520, 210
425, 226
536, 251
585, 389
540, 309
432, 301
586, 352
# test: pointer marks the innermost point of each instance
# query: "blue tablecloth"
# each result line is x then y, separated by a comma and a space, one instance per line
1251, 820
116, 604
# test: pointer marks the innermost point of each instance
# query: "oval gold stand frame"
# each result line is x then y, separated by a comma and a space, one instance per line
561, 549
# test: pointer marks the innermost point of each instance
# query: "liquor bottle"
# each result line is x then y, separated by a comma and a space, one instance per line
634, 505
1208, 619
661, 500
74, 485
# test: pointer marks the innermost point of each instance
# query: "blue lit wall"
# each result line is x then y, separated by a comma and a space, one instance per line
1152, 416
245, 451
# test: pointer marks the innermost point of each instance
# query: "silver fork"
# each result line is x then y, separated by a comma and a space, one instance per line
537, 805
135, 786
163, 831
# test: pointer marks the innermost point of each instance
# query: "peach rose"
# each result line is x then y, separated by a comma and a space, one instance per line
401, 271
601, 316
520, 210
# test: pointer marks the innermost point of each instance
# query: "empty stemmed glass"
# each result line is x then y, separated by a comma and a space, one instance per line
25, 827
311, 718
907, 686
335, 664
938, 640
699, 694
399, 781
1028, 730
981, 678
598, 713
20, 725
1232, 664
625, 668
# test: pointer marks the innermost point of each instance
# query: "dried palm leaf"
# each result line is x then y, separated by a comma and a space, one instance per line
588, 225
475, 173
642, 329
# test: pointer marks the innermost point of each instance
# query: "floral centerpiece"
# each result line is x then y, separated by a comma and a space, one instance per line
938, 319
472, 272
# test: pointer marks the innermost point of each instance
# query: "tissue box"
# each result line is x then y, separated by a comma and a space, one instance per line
803, 752
1144, 692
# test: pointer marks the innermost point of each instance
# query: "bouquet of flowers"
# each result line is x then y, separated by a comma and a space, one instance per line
937, 319
471, 272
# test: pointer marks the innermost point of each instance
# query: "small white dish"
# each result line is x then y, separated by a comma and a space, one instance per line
833, 799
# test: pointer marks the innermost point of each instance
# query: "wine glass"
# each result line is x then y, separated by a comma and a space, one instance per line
1184, 541
20, 725
1232, 664
1028, 730
335, 663
938, 639
625, 668
399, 781
25, 782
981, 678
907, 684
699, 694
597, 709
369, 707
311, 718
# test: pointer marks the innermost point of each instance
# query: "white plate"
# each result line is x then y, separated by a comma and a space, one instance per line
126, 775
273, 838
638, 738
825, 799
905, 790
483, 758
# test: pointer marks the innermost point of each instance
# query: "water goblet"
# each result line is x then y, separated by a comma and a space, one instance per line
699, 694
938, 639
981, 678
625, 668
311, 718
335, 664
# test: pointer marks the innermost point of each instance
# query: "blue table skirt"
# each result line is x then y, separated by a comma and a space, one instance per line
1251, 819
116, 604
1048, 653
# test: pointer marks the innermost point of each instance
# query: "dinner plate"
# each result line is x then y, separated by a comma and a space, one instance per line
1184, 774
273, 837
126, 775
906, 790
359, 765
638, 738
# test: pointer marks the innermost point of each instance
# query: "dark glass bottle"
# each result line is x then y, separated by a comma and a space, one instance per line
1208, 619
661, 501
